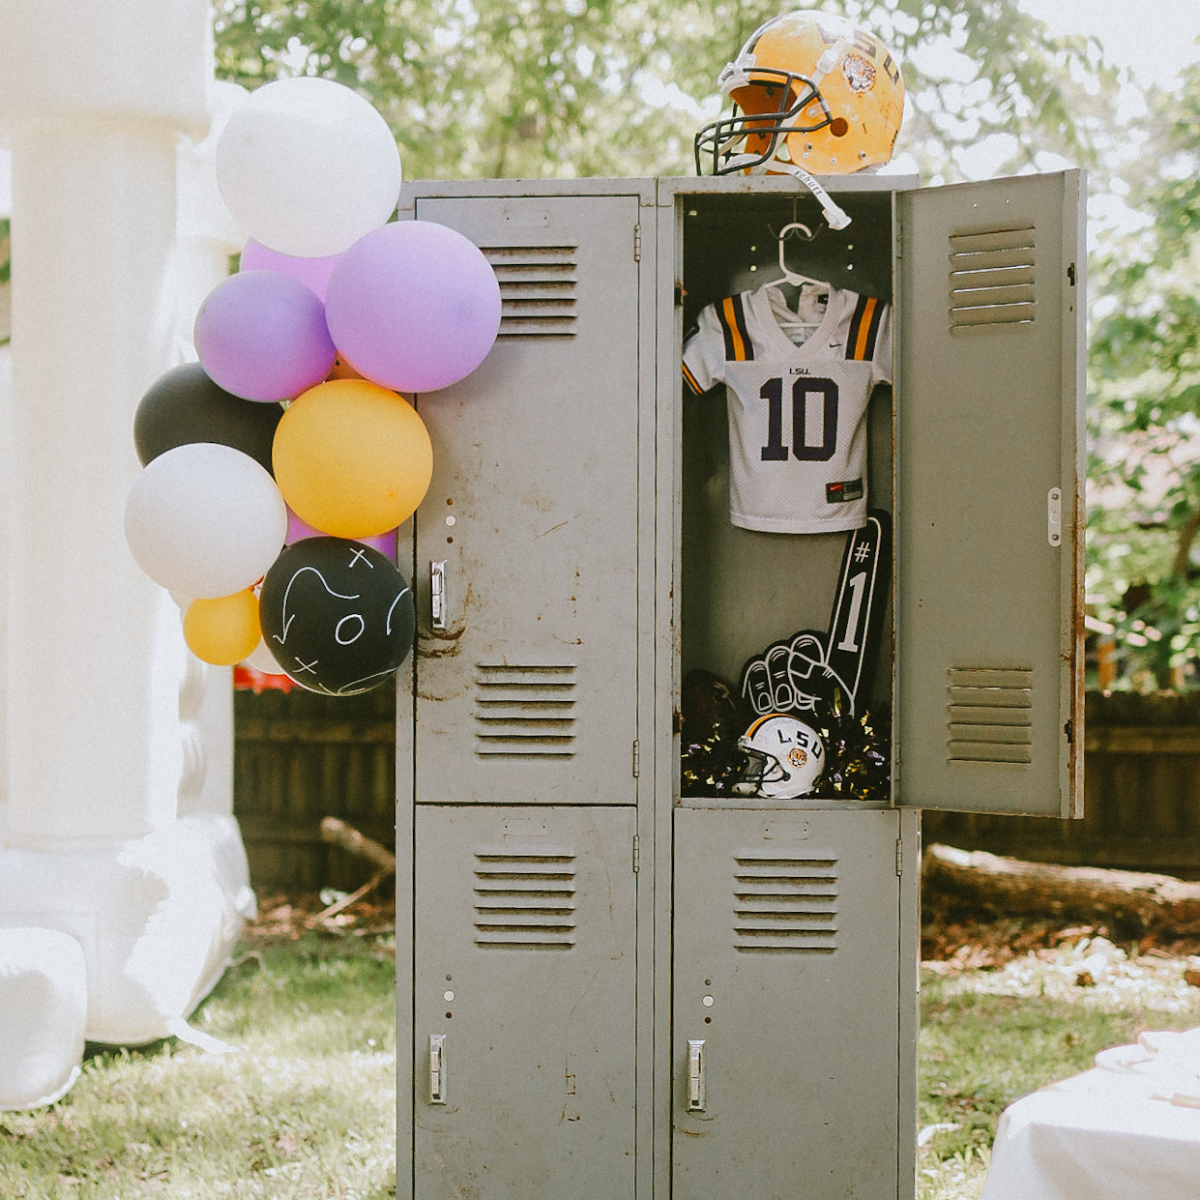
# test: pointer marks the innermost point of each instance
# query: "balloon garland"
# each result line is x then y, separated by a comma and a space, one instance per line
277, 468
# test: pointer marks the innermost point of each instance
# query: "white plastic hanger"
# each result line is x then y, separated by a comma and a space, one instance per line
787, 275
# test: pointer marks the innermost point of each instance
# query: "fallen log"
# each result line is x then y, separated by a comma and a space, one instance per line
349, 838
1134, 902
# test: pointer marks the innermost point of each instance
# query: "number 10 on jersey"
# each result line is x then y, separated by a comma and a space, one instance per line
806, 391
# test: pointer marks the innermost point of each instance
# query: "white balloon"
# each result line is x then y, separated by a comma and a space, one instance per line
205, 520
263, 660
308, 166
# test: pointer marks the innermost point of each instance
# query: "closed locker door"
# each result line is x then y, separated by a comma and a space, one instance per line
528, 691
525, 1014
785, 1029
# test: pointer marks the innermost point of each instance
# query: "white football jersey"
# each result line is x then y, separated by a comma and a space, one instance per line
797, 413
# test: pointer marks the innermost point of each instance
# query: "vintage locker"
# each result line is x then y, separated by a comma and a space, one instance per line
532, 514
758, 1023
525, 977
784, 1032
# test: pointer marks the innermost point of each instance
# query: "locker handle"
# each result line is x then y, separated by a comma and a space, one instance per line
437, 1068
1054, 516
437, 594
696, 1101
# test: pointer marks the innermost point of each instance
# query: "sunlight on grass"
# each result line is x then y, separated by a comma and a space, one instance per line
989, 1037
304, 1105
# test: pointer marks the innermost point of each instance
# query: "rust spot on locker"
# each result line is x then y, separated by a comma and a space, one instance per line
449, 646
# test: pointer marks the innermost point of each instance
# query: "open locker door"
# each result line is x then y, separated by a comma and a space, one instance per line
989, 476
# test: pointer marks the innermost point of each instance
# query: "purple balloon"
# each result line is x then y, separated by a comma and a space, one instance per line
312, 272
299, 529
413, 306
262, 336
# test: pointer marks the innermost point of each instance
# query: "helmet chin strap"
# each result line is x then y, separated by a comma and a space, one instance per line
833, 212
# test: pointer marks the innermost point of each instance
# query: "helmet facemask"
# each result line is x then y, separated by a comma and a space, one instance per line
768, 106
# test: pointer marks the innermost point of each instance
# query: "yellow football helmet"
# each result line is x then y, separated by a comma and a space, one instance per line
812, 94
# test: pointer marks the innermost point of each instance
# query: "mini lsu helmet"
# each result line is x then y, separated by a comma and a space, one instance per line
810, 91
784, 757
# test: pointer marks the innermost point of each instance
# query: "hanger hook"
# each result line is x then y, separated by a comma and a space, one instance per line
799, 226
804, 232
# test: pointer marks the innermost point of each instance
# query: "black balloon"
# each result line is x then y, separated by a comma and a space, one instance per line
337, 615
185, 406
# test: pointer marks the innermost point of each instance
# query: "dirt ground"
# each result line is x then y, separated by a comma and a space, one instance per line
972, 939
288, 916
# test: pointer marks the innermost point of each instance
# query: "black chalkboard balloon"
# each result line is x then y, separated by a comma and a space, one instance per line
337, 615
185, 406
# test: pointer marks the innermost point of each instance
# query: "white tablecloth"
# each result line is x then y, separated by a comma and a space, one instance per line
1129, 1129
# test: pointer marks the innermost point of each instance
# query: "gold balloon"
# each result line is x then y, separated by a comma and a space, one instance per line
224, 630
351, 458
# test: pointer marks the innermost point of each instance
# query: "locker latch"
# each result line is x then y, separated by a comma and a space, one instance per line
1054, 516
437, 1068
695, 1068
437, 594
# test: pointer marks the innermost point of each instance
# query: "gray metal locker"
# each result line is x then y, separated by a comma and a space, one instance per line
533, 513
525, 1003
756, 1018
783, 1042
990, 471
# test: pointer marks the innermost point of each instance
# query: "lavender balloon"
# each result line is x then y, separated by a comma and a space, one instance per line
262, 336
312, 272
299, 529
413, 306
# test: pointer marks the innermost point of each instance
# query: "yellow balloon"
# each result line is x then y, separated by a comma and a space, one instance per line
223, 631
343, 369
351, 458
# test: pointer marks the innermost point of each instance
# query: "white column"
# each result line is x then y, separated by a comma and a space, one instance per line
93, 96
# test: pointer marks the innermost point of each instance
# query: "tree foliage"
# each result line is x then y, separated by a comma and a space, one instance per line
483, 88
1145, 362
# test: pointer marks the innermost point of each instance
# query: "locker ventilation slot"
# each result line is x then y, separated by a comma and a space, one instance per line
990, 714
992, 280
784, 904
524, 711
537, 289
524, 898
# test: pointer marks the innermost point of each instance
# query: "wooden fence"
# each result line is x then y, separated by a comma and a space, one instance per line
300, 757
1141, 788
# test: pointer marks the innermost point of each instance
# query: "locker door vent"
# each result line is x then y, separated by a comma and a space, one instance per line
537, 289
524, 898
992, 280
524, 711
990, 714
783, 903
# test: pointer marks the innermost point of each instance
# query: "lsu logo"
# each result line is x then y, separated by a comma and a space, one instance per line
858, 73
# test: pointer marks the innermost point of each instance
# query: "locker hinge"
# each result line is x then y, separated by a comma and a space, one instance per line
899, 241
637, 243
1071, 274
899, 856
637, 766
637, 853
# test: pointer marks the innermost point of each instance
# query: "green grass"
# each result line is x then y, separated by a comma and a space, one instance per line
303, 1107
990, 1037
